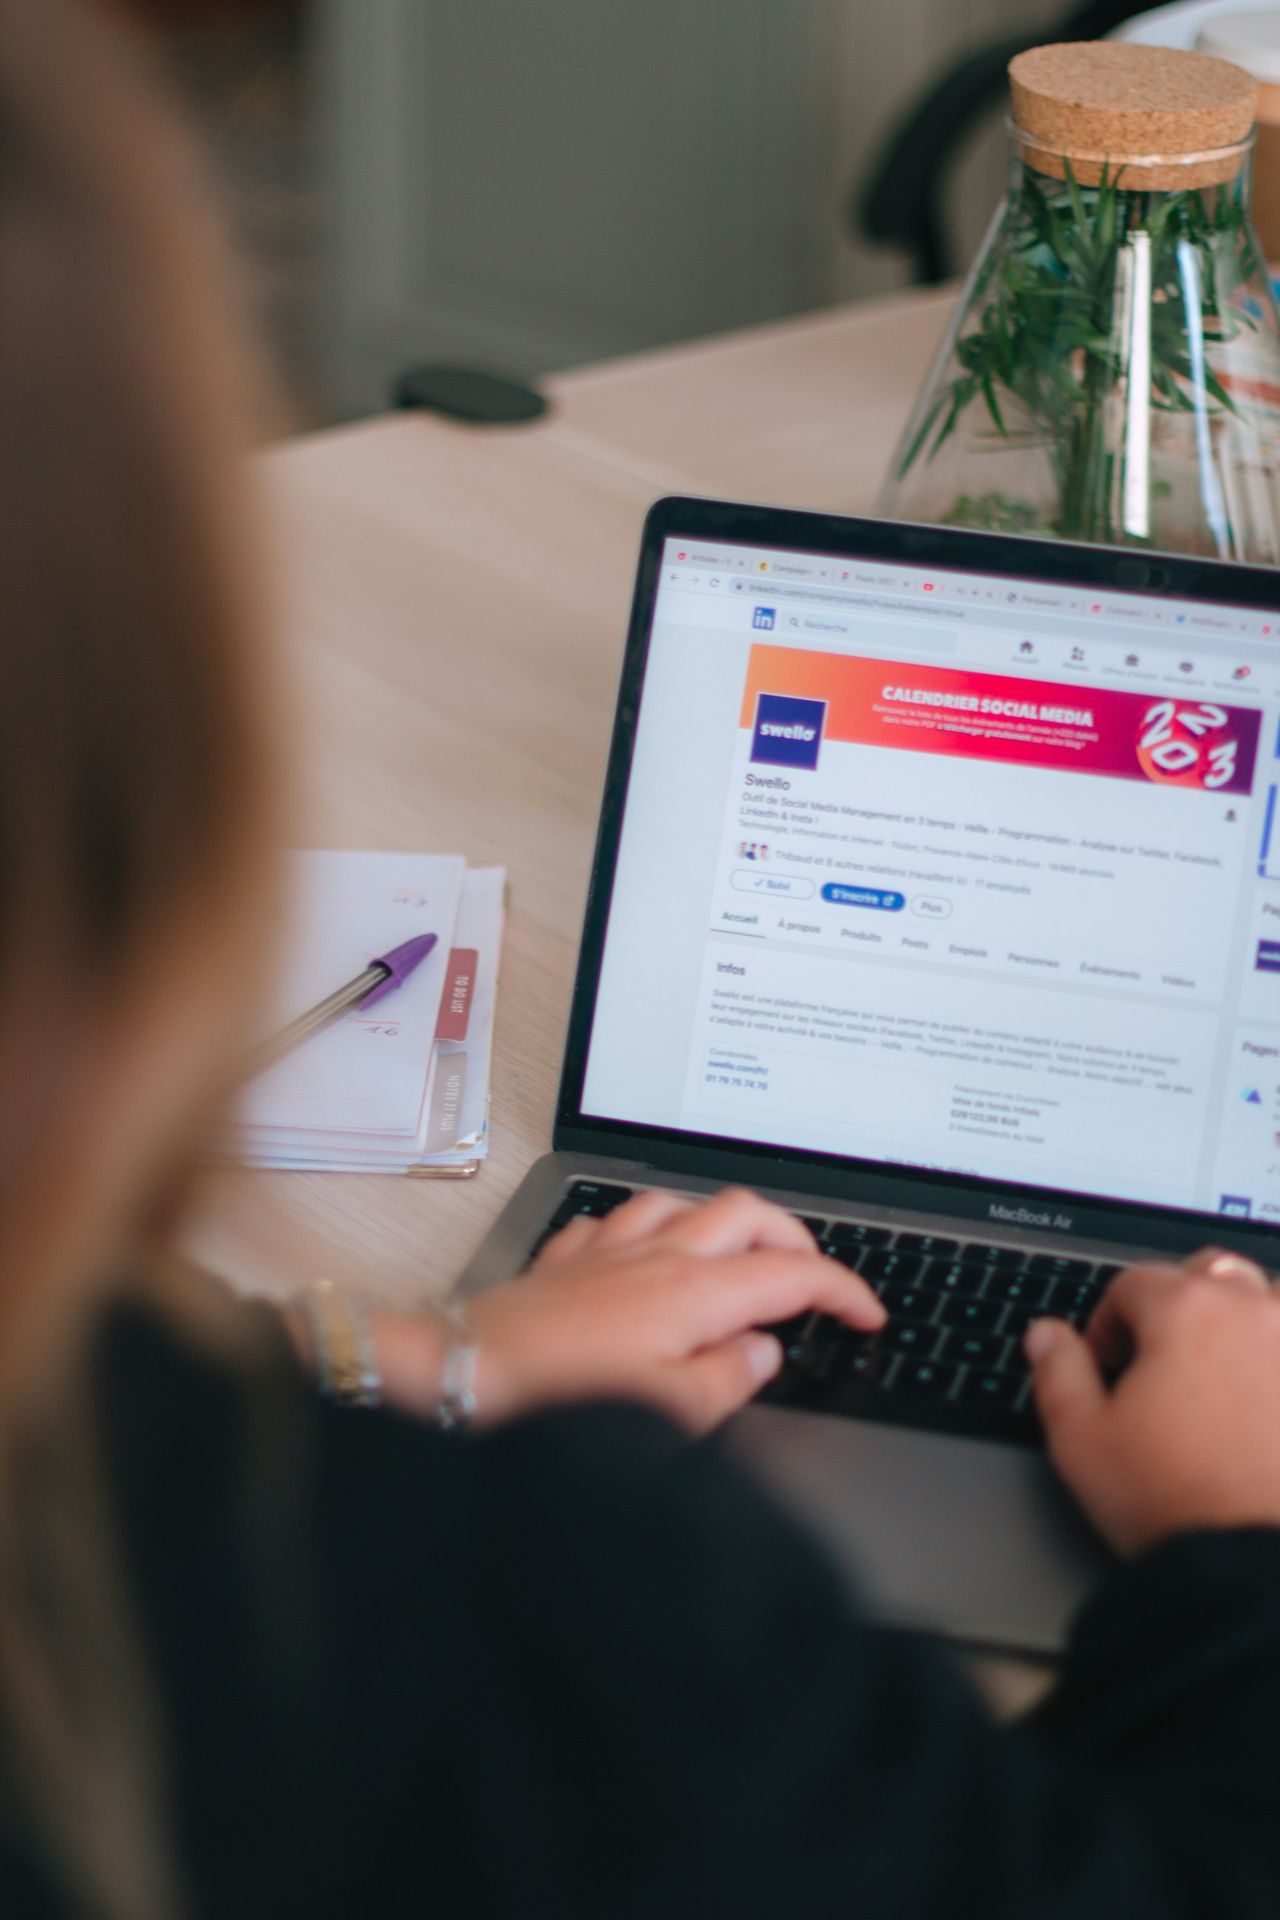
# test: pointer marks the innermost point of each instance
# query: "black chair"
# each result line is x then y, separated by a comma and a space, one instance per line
901, 203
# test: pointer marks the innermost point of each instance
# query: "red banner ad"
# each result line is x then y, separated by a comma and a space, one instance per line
987, 716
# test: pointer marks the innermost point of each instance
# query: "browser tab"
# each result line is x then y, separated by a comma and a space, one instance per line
1211, 620
1128, 608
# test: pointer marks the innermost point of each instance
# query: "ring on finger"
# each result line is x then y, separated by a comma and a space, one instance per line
1235, 1266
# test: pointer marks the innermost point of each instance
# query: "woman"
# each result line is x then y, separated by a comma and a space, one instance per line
260, 1654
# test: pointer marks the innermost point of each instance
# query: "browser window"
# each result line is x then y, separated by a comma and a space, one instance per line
952, 872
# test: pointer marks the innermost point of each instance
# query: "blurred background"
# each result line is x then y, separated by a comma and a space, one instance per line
531, 184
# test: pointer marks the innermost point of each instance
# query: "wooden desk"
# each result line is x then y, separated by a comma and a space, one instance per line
454, 603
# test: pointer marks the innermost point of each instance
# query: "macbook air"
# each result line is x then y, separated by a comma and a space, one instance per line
937, 896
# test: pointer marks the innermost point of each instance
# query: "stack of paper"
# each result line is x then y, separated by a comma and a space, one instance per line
404, 1086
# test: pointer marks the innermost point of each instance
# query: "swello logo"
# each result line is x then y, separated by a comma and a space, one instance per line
788, 732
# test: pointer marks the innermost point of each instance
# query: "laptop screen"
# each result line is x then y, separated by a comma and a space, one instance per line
950, 871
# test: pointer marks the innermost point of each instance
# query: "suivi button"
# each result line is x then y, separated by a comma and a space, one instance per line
881, 897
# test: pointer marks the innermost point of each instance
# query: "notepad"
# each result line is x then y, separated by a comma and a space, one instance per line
405, 1084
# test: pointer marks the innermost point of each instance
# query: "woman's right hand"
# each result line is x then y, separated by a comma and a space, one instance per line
660, 1301
1187, 1435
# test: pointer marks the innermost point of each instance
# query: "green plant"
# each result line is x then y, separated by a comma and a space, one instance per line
1048, 337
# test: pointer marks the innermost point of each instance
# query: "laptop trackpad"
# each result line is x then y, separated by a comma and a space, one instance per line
969, 1538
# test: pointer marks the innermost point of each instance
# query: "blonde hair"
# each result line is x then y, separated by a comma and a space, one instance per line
136, 806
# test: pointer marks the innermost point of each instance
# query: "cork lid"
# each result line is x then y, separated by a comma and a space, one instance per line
1171, 119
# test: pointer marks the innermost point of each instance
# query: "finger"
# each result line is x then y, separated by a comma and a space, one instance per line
1069, 1391
737, 1219
706, 1389
762, 1287
570, 1241
1232, 1269
1129, 1313
637, 1219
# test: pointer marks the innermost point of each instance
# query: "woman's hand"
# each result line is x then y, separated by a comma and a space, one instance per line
658, 1301
1188, 1435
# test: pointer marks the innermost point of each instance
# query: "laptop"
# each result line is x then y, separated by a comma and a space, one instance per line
936, 896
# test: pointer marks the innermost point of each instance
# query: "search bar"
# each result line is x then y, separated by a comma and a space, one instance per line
825, 626
817, 623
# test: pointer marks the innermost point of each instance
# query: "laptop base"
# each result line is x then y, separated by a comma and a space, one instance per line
970, 1538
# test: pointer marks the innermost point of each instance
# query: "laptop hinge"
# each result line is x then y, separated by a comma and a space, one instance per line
989, 1208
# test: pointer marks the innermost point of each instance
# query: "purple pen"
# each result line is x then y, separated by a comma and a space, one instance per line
381, 977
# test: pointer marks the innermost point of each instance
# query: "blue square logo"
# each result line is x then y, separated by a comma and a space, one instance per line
1239, 1205
788, 732
764, 617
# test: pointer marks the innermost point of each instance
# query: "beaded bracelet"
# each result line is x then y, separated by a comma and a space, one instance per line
346, 1358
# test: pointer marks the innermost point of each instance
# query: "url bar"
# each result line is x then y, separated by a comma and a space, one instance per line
760, 590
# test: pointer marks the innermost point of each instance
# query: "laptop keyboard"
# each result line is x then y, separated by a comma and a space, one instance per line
950, 1356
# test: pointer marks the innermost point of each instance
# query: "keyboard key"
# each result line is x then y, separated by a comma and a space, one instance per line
1025, 1289
607, 1191
1059, 1266
926, 1376
576, 1210
823, 1326
845, 1352
787, 1332
587, 1198
1073, 1300
976, 1316
816, 1227
815, 1346
1073, 1289
974, 1349
856, 1233
850, 1257
1018, 1319
992, 1389
868, 1367
932, 1244
909, 1336
1079, 1313
886, 1263
908, 1302
991, 1256
955, 1276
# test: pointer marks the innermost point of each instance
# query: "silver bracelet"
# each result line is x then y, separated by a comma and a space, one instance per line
458, 1404
346, 1357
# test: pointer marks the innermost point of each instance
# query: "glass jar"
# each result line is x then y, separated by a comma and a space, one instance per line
1112, 373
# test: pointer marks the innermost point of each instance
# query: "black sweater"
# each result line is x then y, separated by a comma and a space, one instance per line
576, 1668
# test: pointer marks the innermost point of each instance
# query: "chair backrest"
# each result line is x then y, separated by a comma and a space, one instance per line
901, 201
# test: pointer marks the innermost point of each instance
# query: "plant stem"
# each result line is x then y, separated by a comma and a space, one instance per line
1081, 470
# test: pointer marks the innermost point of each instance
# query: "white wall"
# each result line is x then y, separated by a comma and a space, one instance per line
532, 183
